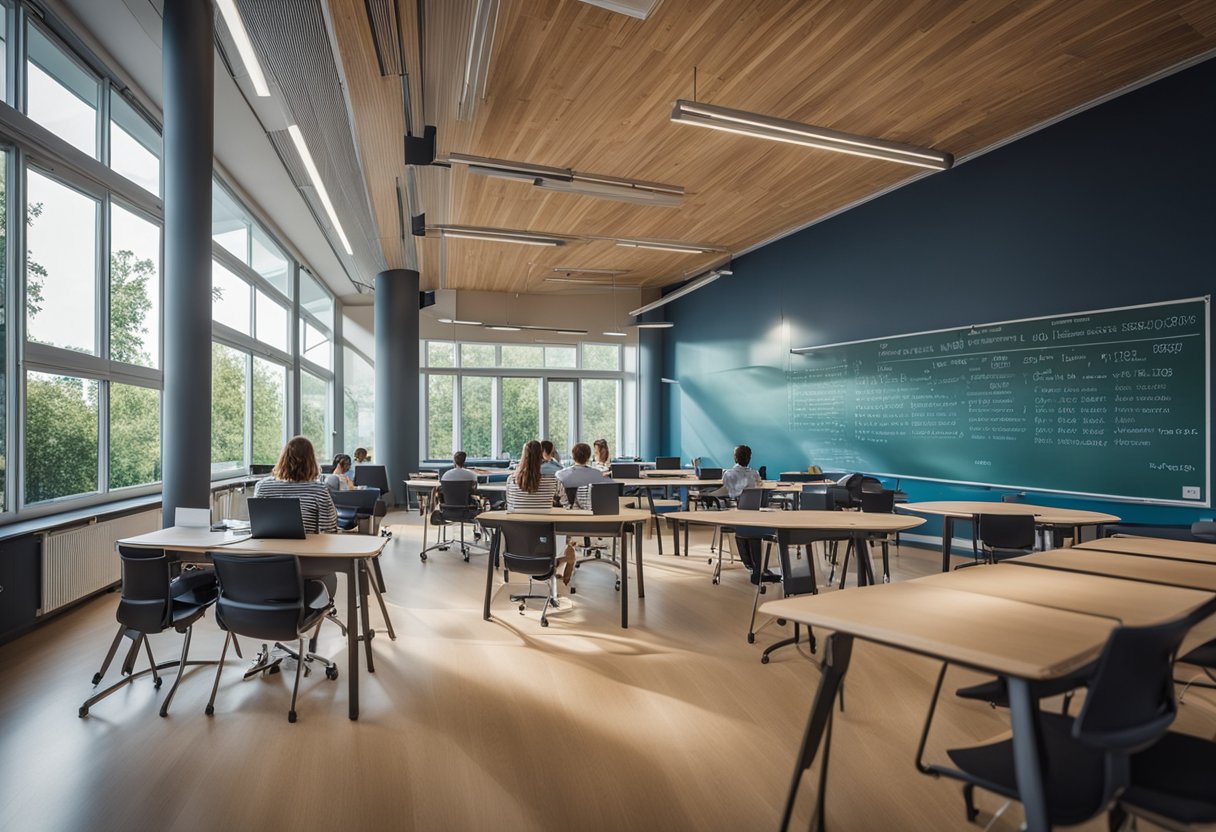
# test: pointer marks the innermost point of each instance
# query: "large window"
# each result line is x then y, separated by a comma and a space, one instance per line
316, 413
61, 436
269, 411
135, 146
61, 95
477, 416
4, 400
358, 401
134, 435
229, 406
440, 395
134, 288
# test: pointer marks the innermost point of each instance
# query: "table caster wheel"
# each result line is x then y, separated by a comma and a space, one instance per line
157, 683
573, 590
717, 581
764, 660
209, 710
423, 556
291, 716
710, 561
780, 622
618, 586
545, 623
751, 638
331, 673
96, 679
273, 669
82, 713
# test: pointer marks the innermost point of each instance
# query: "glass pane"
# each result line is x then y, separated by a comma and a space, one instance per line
61, 279
315, 420
134, 289
520, 413
522, 356
476, 415
228, 407
440, 354
269, 411
477, 355
359, 401
60, 437
229, 298
439, 392
561, 357
601, 357
3, 63
134, 435
560, 404
269, 261
134, 145
3, 318
315, 346
60, 94
315, 300
229, 222
271, 321
600, 410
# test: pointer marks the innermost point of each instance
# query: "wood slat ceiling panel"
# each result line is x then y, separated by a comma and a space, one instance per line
572, 85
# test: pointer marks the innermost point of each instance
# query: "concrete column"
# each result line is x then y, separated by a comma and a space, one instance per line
188, 47
397, 377
650, 388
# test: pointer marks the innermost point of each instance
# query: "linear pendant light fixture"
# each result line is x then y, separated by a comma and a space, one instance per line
793, 132
499, 235
571, 181
653, 245
298, 138
687, 289
244, 46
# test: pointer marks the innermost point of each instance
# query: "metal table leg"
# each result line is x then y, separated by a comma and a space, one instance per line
1027, 759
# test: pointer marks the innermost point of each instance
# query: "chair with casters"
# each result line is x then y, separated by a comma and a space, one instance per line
751, 499
704, 497
658, 506
267, 598
881, 502
152, 603
594, 552
356, 512
372, 476
1087, 761
1003, 535
457, 505
530, 549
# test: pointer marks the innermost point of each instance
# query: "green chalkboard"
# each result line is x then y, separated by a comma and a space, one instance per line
1113, 403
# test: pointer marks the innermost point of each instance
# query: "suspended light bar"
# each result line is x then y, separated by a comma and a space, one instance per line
612, 190
244, 46
616, 334
686, 289
604, 272
571, 181
502, 328
460, 323
301, 148
793, 132
678, 248
495, 235
654, 325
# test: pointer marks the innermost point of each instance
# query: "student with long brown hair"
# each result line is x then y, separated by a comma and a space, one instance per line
529, 487
601, 460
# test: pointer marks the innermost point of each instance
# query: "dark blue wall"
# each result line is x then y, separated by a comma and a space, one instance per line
1112, 207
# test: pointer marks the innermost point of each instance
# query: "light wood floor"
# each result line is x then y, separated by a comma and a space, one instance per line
467, 725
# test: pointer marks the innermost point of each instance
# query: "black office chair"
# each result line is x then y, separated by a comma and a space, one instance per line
1003, 534
372, 476
1171, 784
152, 603
530, 549
267, 598
658, 506
667, 463
1086, 761
354, 508
458, 505
593, 552
703, 497
881, 502
327, 469
850, 495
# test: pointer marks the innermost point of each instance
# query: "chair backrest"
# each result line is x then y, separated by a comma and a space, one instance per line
797, 476
878, 502
816, 498
605, 498
363, 500
529, 548
372, 476
763, 472
625, 470
145, 600
260, 597
327, 469
752, 499
851, 483
710, 474
1204, 530
1007, 531
840, 496
869, 483
666, 463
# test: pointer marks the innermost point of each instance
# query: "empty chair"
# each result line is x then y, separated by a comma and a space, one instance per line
1171, 783
625, 470
372, 476
355, 506
267, 598
851, 496
880, 502
703, 496
606, 494
151, 604
1003, 535
666, 463
530, 549
457, 505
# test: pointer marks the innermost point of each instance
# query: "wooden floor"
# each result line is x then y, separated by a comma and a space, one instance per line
672, 724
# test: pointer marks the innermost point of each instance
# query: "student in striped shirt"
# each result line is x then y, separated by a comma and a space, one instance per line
529, 488
297, 474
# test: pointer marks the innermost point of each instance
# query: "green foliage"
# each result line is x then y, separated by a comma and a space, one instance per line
440, 389
314, 413
520, 412
60, 437
129, 306
227, 407
134, 435
476, 415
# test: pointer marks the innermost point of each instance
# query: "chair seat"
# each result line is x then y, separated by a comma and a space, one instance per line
1074, 791
185, 613
1174, 779
1204, 655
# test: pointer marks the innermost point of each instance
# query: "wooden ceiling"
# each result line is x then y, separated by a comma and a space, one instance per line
575, 86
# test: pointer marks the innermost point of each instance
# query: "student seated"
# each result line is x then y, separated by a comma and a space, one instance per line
362, 456
603, 459
580, 475
550, 462
297, 475
734, 482
458, 471
528, 488
340, 479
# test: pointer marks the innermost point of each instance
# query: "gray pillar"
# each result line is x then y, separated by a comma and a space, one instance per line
188, 47
650, 389
397, 376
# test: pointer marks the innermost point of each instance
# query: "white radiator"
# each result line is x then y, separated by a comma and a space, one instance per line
82, 560
230, 503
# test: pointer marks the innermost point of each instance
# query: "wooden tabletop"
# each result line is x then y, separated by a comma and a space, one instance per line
563, 517
1000, 635
1155, 547
1128, 567
314, 546
674, 482
1129, 603
184, 539
807, 520
1044, 514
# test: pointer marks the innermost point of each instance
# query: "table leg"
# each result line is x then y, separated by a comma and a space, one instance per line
861, 551
1027, 760
352, 637
686, 525
493, 555
675, 537
838, 651
364, 617
625, 573
947, 540
641, 582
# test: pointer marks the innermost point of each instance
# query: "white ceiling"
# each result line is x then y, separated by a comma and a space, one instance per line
131, 29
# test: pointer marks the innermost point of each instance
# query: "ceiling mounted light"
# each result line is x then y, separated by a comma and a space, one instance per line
793, 132
495, 235
678, 248
244, 46
686, 289
503, 328
654, 325
477, 58
617, 191
487, 166
616, 334
604, 272
571, 181
459, 323
306, 158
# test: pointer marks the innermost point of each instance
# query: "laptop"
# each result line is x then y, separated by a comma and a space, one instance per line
667, 463
606, 498
278, 518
